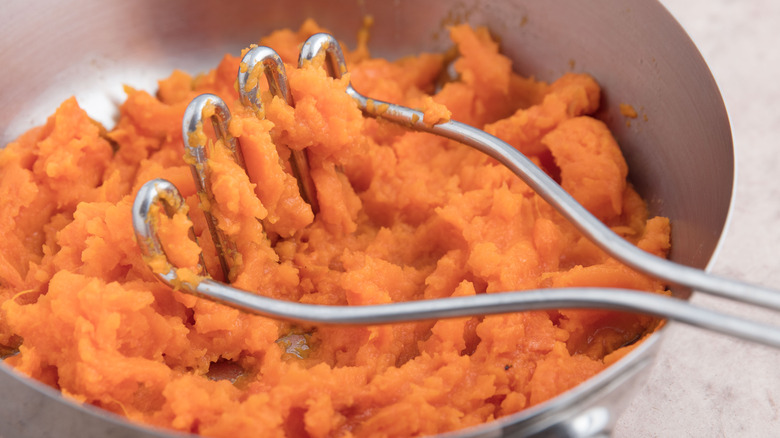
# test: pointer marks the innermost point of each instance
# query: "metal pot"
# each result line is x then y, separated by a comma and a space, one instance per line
679, 150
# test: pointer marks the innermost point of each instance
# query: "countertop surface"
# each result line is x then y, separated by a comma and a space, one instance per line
702, 384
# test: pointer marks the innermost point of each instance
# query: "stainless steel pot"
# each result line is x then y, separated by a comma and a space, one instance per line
679, 150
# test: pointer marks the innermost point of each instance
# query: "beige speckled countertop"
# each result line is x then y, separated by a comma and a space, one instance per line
706, 385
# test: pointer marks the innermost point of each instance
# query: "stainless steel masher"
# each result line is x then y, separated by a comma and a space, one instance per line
162, 192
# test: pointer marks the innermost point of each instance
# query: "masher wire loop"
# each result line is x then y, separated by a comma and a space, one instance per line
270, 64
156, 194
198, 152
512, 301
272, 67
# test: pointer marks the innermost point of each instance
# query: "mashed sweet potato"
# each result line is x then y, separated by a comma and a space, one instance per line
404, 216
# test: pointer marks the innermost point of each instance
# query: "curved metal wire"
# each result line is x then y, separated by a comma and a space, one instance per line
270, 64
158, 193
197, 150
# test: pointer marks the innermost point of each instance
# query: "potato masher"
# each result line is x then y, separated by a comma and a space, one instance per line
162, 192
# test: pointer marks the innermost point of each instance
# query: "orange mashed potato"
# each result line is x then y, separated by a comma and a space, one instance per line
404, 216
